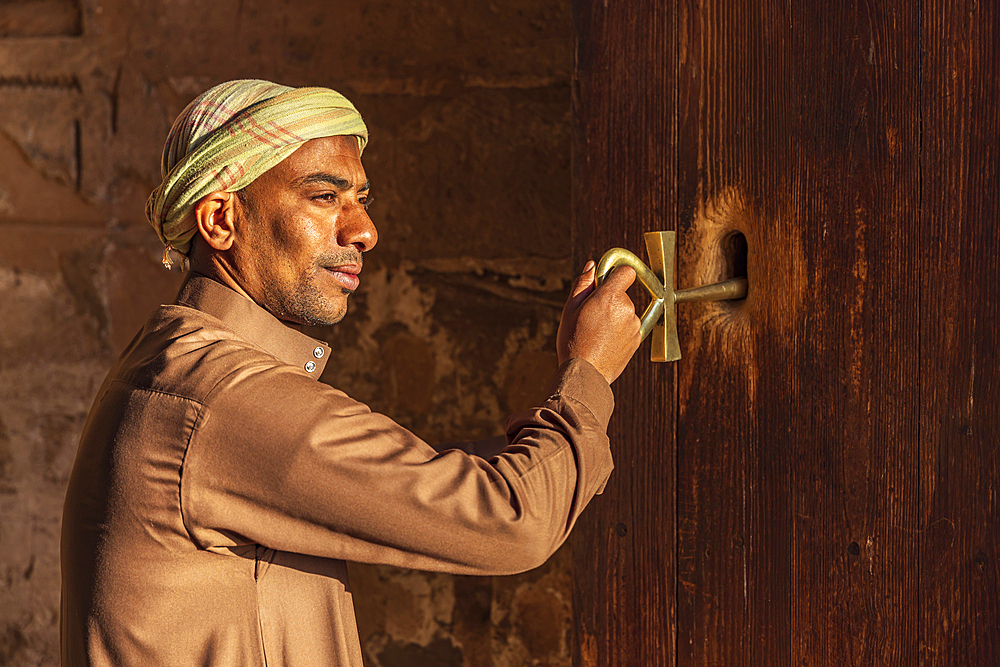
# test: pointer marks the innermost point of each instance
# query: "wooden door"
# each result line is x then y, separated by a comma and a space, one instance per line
816, 481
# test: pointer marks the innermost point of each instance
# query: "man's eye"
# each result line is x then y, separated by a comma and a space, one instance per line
366, 201
327, 196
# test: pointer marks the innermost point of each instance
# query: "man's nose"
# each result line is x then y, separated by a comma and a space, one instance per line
357, 229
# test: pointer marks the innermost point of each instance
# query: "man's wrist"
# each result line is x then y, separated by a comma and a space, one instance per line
581, 381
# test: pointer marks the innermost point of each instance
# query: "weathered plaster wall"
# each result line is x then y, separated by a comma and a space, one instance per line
468, 106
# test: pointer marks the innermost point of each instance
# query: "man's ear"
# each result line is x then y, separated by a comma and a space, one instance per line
215, 217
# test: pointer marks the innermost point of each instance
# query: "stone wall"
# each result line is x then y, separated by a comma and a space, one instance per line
469, 109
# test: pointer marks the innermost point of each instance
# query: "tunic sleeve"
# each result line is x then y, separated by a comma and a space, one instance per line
294, 465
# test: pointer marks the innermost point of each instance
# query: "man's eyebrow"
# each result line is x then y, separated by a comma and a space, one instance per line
323, 177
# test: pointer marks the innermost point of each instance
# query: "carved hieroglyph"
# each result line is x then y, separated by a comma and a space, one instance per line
53, 107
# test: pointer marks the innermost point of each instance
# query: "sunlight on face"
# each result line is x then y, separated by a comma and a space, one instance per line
303, 229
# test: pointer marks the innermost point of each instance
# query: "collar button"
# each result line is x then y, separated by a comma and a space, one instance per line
318, 352
310, 366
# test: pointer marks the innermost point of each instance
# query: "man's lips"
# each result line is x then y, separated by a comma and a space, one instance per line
346, 275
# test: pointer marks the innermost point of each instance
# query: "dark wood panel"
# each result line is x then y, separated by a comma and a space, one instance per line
856, 565
732, 171
798, 128
623, 100
959, 520
835, 497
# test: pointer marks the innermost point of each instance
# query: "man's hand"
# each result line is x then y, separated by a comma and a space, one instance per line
599, 324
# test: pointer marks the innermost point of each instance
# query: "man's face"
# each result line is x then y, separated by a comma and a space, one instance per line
302, 230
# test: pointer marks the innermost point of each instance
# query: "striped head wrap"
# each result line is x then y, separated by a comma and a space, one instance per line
228, 137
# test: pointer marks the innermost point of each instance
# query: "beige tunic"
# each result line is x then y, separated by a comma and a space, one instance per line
219, 488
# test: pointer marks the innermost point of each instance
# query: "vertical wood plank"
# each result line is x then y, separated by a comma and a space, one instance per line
856, 562
732, 62
623, 101
960, 313
797, 439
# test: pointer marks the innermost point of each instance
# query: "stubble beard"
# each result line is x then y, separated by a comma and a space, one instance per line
306, 303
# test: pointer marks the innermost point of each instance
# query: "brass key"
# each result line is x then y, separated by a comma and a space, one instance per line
660, 317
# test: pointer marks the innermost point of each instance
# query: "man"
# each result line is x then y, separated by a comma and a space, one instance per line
219, 488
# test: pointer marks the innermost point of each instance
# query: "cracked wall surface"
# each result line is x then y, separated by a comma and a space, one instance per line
468, 104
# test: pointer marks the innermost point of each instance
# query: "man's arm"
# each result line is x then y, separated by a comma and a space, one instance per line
311, 471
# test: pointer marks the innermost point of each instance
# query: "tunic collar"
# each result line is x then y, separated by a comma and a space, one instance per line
255, 324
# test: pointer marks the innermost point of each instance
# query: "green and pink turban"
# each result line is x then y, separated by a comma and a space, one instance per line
229, 136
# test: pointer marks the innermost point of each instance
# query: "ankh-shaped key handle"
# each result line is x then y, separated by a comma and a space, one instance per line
660, 317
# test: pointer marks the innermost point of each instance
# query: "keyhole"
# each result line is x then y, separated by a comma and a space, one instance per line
734, 250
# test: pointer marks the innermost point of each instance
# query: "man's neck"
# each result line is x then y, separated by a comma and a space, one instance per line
220, 275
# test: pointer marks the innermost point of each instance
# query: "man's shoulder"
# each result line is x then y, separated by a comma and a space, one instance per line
186, 352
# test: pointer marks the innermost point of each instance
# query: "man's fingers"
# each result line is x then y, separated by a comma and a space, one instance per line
599, 324
620, 279
584, 280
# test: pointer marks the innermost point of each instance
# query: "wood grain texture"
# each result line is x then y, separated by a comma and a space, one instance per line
855, 567
959, 520
735, 175
623, 94
835, 436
